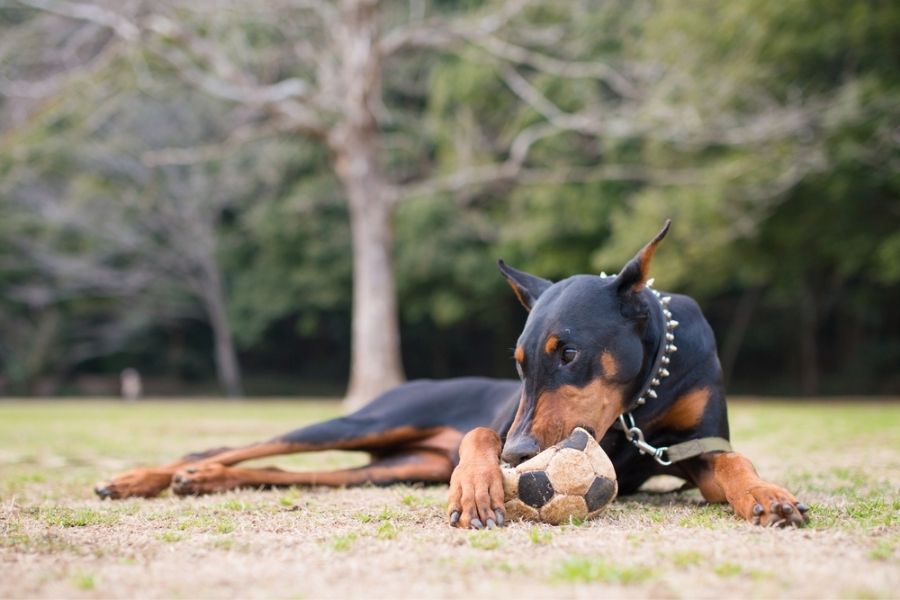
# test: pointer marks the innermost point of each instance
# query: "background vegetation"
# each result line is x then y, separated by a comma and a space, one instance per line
147, 221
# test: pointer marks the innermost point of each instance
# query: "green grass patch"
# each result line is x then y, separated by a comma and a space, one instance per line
386, 514
224, 526
728, 569
870, 512
235, 505
170, 537
580, 569
289, 498
686, 558
84, 581
884, 550
416, 501
387, 531
342, 543
484, 540
540, 537
706, 516
81, 517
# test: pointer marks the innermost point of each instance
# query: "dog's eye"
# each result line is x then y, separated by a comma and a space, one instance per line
568, 354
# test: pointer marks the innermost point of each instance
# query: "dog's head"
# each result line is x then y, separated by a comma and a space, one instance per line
582, 353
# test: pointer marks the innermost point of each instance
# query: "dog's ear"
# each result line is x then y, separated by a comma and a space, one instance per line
528, 288
633, 276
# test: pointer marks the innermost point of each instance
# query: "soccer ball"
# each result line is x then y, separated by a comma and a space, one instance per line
573, 479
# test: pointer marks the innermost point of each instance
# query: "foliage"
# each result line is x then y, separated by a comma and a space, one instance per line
766, 130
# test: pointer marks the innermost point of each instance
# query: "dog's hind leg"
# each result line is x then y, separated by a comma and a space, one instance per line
413, 466
353, 432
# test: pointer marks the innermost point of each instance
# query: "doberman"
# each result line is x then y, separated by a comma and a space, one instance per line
596, 351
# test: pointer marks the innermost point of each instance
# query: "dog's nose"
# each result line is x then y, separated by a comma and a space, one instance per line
519, 449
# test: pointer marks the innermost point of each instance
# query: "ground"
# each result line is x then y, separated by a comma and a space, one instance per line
58, 540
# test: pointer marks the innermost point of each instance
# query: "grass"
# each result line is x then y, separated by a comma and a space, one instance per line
590, 570
539, 536
484, 540
58, 540
342, 543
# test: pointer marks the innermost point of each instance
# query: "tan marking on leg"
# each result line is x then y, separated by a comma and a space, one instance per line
730, 477
476, 486
414, 466
150, 482
445, 442
687, 410
374, 441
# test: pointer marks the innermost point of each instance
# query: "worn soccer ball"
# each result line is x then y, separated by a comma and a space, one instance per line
571, 480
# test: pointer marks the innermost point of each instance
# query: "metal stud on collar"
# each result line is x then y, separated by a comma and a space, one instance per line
668, 347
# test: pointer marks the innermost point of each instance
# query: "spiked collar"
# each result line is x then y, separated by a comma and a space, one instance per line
664, 455
659, 369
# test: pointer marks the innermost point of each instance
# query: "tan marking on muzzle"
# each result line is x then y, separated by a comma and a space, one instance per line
558, 412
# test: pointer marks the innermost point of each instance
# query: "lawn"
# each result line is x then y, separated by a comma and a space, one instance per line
57, 540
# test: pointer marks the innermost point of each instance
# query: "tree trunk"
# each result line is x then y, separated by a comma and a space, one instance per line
809, 356
740, 322
228, 369
375, 345
375, 354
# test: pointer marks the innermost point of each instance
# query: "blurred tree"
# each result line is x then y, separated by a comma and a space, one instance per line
592, 121
109, 220
318, 69
795, 225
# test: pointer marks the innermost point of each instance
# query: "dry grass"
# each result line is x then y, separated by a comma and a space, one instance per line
56, 540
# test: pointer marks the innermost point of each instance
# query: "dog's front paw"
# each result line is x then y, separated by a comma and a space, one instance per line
202, 479
476, 497
772, 506
141, 483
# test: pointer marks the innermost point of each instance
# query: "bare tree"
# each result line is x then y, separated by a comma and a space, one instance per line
323, 75
159, 233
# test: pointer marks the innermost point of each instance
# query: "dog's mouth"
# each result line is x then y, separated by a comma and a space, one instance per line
590, 431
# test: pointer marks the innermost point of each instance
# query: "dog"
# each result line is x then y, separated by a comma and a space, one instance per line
636, 368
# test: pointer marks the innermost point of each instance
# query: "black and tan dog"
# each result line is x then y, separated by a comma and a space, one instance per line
596, 351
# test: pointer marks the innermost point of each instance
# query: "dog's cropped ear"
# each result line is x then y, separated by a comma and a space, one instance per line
633, 276
528, 288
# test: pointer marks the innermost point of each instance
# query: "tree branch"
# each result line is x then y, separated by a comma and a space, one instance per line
122, 27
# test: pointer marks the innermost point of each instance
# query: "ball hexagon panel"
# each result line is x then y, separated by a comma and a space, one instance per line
570, 472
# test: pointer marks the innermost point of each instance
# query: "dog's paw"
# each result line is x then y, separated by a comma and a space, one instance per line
202, 479
476, 497
769, 505
140, 483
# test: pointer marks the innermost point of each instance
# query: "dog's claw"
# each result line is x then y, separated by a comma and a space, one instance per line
757, 509
500, 518
491, 524
103, 492
787, 509
454, 517
477, 524
802, 508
